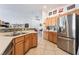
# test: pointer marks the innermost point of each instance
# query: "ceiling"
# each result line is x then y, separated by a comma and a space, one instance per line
30, 8
25, 11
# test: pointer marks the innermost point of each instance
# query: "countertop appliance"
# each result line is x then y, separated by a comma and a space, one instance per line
67, 38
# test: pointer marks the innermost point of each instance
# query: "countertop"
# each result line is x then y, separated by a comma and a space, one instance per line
50, 30
5, 40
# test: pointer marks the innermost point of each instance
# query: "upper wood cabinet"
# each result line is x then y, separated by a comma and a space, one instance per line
51, 21
46, 21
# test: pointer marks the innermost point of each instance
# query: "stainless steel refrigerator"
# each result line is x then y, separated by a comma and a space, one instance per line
67, 34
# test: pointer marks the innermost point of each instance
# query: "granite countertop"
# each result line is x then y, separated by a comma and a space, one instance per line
50, 30
5, 40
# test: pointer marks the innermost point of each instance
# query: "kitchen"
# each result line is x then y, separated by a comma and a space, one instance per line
42, 29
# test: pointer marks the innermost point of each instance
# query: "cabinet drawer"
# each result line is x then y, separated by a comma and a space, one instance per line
18, 39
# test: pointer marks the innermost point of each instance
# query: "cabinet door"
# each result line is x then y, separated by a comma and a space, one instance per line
47, 22
54, 37
27, 43
54, 20
50, 38
30, 41
19, 48
34, 40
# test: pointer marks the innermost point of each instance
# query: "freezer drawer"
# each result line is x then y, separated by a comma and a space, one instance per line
66, 44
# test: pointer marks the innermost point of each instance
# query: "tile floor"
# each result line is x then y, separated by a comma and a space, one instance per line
46, 48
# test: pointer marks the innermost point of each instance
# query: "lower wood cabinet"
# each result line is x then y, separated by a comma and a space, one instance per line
54, 37
27, 43
20, 45
19, 48
34, 40
50, 36
30, 41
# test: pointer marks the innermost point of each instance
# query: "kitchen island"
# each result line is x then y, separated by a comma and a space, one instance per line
18, 44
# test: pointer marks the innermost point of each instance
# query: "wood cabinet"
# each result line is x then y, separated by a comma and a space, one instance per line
34, 39
27, 43
51, 21
54, 20
50, 36
19, 39
55, 37
46, 22
30, 41
19, 45
19, 48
